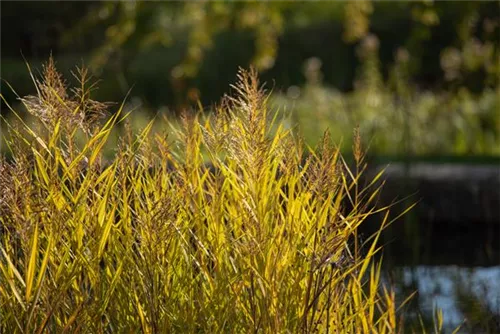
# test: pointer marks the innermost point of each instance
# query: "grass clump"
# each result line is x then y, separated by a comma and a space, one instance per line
261, 239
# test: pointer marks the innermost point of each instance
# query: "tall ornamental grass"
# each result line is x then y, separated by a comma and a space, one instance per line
261, 239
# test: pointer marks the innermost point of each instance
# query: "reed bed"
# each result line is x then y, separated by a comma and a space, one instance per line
261, 239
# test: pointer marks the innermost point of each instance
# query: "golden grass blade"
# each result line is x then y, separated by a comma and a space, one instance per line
144, 325
12, 267
38, 285
30, 271
41, 170
106, 231
12, 285
73, 317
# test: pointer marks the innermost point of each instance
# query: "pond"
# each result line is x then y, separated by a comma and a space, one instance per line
466, 296
447, 248
454, 269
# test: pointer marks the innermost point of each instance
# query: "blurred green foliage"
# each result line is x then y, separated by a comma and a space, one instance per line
427, 70
186, 46
395, 116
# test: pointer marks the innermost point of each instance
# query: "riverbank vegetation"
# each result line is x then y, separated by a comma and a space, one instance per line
262, 240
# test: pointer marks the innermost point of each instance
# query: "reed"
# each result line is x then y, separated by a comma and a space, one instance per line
155, 241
